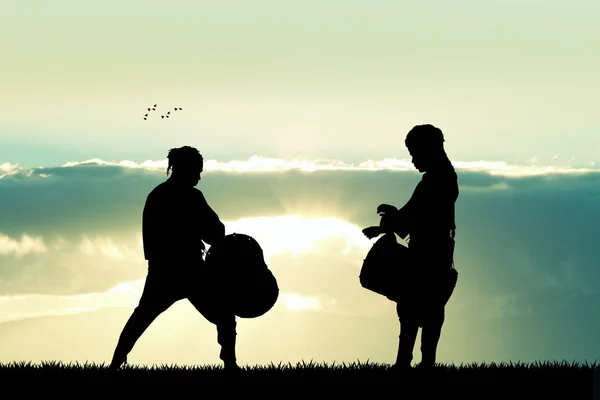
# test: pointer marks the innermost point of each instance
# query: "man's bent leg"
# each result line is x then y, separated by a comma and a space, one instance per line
152, 303
225, 322
138, 322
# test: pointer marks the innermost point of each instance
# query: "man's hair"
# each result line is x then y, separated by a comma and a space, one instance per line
425, 137
185, 156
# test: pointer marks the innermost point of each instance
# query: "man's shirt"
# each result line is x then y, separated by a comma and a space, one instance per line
175, 221
428, 217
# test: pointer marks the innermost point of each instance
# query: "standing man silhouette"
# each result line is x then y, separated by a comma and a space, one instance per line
176, 220
428, 220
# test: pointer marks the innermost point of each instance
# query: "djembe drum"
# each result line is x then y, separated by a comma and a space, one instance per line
241, 276
386, 269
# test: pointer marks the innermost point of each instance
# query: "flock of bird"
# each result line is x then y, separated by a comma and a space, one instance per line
153, 108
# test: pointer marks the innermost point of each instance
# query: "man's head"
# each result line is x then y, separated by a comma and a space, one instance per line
425, 144
186, 164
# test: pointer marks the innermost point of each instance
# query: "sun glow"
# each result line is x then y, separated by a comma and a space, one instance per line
296, 302
296, 234
283, 234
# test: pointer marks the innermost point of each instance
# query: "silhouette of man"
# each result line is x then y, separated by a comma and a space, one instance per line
428, 220
176, 220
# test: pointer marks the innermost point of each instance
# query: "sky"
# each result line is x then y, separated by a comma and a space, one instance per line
300, 110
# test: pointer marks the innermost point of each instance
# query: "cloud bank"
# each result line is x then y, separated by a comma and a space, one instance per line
526, 251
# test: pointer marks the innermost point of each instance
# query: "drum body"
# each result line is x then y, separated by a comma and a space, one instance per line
240, 275
386, 268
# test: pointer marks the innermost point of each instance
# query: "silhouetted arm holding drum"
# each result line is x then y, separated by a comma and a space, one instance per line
400, 220
393, 220
212, 228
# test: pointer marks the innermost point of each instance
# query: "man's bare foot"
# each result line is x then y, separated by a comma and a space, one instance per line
116, 364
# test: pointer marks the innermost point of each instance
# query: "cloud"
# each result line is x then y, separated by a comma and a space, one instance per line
525, 240
8, 169
123, 295
103, 246
83, 196
71, 266
97, 205
25, 245
266, 164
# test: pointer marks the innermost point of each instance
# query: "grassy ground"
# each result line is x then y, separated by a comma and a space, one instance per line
560, 380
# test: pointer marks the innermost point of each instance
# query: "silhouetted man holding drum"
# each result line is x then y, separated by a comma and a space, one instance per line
176, 221
428, 220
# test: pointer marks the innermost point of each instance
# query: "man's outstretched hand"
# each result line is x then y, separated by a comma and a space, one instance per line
372, 231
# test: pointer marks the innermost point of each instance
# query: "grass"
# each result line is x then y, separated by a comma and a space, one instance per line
568, 380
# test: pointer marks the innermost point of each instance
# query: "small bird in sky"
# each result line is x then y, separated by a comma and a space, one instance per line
153, 108
163, 116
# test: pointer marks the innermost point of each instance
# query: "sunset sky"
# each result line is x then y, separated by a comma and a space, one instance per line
300, 109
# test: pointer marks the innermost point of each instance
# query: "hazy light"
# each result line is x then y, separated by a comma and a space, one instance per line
296, 302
